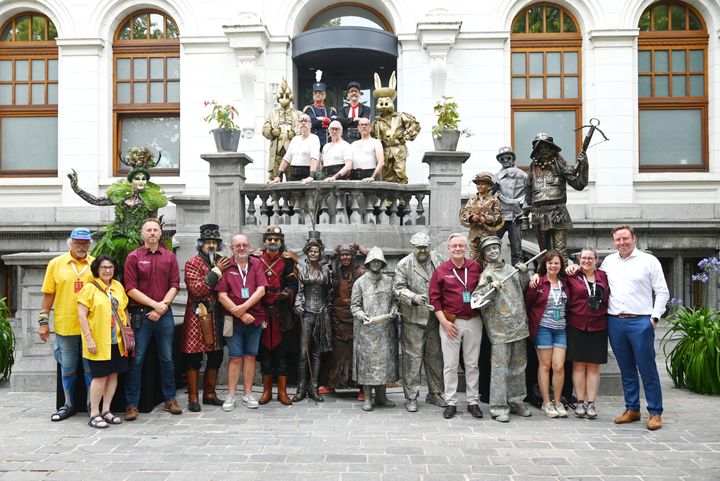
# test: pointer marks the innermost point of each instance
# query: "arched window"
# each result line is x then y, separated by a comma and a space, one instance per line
546, 78
146, 93
348, 15
672, 89
28, 96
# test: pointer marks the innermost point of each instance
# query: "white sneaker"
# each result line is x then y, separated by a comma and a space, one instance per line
549, 410
580, 410
229, 404
591, 411
560, 409
250, 402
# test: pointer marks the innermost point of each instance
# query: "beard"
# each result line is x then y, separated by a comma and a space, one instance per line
273, 248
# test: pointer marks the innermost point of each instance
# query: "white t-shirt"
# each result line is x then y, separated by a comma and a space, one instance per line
302, 149
336, 153
363, 153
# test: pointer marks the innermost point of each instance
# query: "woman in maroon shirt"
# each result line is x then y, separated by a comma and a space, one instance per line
587, 333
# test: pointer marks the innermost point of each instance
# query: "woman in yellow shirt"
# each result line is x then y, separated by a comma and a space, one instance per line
102, 305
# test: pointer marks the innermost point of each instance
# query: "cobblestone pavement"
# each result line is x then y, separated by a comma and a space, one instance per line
337, 441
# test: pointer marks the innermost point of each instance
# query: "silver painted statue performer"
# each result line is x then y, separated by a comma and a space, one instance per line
510, 191
375, 331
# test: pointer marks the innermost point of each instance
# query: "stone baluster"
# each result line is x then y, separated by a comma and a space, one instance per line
355, 216
251, 219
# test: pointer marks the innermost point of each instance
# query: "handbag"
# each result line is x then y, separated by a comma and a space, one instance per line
128, 335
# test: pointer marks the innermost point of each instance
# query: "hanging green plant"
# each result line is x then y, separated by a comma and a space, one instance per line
7, 342
694, 343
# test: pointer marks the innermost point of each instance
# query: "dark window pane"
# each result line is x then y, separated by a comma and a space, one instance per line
52, 31
22, 29
140, 29
159, 134
695, 23
520, 24
670, 137
677, 16
124, 33
535, 19
172, 30
38, 29
568, 24
660, 16
552, 20
644, 24
156, 26
34, 143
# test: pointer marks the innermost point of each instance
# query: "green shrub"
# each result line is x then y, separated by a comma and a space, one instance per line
7, 342
694, 342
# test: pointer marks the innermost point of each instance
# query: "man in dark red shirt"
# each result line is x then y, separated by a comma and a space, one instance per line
450, 289
152, 280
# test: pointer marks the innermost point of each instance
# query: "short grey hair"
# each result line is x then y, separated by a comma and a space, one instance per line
457, 234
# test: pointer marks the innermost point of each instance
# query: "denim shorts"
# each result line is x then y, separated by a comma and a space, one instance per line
547, 338
245, 340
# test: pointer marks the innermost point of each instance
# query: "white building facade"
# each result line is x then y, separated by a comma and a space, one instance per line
81, 81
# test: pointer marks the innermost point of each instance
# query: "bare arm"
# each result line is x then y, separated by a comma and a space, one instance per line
85, 328
47, 303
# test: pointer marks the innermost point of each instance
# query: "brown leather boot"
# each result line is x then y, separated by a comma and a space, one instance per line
282, 395
267, 389
192, 387
209, 396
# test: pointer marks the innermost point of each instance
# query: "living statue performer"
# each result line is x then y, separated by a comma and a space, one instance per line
375, 344
420, 328
510, 191
393, 129
135, 199
546, 191
482, 213
279, 128
506, 324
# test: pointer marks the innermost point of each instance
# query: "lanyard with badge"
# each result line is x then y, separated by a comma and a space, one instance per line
78, 282
466, 293
557, 299
244, 291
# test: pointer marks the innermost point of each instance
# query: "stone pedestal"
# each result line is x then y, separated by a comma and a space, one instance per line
445, 180
35, 366
227, 176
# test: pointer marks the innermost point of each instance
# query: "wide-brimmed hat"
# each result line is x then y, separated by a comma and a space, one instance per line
210, 232
485, 177
486, 241
543, 138
273, 230
505, 151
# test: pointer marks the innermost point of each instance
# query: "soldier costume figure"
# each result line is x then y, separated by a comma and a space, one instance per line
375, 344
546, 191
279, 128
277, 340
320, 114
482, 213
420, 335
507, 326
510, 191
201, 332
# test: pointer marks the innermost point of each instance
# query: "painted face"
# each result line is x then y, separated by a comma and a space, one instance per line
319, 97
385, 105
588, 261
139, 182
285, 99
457, 247
506, 161
624, 242
492, 253
209, 246
483, 188
376, 266
79, 248
345, 259
553, 265
240, 247
313, 254
273, 243
151, 233
545, 152
421, 253
106, 270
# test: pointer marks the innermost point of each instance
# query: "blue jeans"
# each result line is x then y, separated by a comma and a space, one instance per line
162, 330
633, 342
547, 338
68, 350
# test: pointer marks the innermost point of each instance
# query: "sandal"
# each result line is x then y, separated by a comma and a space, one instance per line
98, 422
63, 413
110, 418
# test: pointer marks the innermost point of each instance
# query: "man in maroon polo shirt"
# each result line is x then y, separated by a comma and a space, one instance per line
152, 280
450, 289
240, 291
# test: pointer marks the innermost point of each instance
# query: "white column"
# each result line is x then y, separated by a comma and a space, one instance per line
437, 33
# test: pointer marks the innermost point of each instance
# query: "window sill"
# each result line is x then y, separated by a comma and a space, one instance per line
676, 176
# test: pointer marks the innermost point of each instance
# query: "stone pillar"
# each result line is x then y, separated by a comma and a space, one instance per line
227, 176
437, 33
445, 180
35, 366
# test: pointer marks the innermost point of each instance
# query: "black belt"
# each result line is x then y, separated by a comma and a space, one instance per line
625, 315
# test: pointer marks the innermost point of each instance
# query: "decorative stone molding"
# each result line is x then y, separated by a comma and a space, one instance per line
80, 46
614, 38
248, 37
437, 33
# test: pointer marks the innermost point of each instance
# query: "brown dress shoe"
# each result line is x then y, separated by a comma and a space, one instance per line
131, 413
628, 417
655, 422
173, 407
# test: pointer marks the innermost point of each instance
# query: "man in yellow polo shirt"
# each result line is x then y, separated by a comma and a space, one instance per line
64, 278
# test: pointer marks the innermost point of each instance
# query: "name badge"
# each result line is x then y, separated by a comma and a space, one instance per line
466, 296
245, 292
78, 286
556, 314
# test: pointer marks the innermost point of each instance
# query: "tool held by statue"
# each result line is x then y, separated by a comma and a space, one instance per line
480, 301
593, 126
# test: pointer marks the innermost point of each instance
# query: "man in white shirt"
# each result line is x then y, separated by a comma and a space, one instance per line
336, 154
302, 154
368, 154
634, 276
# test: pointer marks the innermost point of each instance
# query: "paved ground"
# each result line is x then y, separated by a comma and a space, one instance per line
337, 441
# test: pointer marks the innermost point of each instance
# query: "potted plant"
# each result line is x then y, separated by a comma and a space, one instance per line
227, 135
7, 342
446, 133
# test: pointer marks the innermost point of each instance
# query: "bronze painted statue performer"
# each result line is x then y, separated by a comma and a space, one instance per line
279, 128
135, 199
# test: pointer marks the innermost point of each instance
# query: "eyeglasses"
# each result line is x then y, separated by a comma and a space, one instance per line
303, 121
364, 125
272, 239
107, 268
334, 128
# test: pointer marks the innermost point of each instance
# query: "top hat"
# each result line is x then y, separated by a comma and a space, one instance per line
543, 138
210, 232
355, 84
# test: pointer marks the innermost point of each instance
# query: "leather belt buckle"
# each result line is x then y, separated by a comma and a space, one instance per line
624, 315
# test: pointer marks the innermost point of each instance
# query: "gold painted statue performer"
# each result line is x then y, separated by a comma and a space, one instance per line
281, 125
482, 213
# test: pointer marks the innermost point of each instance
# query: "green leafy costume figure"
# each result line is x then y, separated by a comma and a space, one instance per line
135, 199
